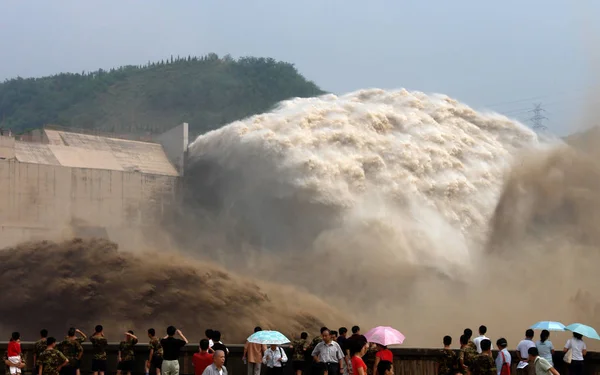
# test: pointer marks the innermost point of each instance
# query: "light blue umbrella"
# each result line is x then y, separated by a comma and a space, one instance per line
549, 325
268, 338
583, 330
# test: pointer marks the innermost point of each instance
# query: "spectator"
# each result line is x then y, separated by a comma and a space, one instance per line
357, 351
155, 357
328, 354
14, 353
299, 353
126, 355
468, 333
356, 334
253, 354
503, 360
545, 347
40, 346
203, 358
209, 334
483, 364
383, 354
542, 367
51, 361
218, 345
477, 340
342, 341
99, 344
171, 349
274, 358
334, 335
385, 368
466, 355
218, 367
578, 351
448, 360
523, 352
71, 348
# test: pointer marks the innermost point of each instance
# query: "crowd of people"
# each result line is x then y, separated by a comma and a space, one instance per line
330, 353
52, 357
534, 357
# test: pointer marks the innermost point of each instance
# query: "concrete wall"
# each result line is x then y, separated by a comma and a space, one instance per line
406, 361
7, 147
36, 199
175, 143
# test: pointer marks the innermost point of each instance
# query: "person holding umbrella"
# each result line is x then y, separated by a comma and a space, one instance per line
576, 346
274, 358
578, 351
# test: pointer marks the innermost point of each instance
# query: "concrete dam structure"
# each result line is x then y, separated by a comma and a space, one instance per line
57, 182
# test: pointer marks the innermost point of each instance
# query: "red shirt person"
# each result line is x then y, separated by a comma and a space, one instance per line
203, 358
357, 351
383, 354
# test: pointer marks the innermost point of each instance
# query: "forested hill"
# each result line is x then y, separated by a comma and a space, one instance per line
206, 92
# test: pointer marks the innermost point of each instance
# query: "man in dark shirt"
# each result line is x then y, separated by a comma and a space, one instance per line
218, 345
342, 341
171, 348
356, 334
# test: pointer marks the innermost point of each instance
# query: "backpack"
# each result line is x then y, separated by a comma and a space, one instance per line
505, 370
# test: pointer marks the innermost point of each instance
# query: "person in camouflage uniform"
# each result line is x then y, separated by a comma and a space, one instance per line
72, 349
299, 347
468, 334
484, 363
369, 358
447, 363
99, 344
155, 357
40, 346
126, 354
51, 361
466, 355
81, 339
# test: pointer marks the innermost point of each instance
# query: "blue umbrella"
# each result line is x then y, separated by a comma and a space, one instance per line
548, 325
583, 330
268, 338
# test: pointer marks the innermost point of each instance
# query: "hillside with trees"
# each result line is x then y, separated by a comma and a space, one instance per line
206, 92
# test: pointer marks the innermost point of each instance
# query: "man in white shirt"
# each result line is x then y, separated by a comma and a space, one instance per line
503, 358
523, 367
328, 354
541, 365
477, 340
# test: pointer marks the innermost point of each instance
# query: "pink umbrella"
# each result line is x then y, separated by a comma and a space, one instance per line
385, 336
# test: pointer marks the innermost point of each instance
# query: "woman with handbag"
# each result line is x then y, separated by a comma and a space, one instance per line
275, 359
575, 349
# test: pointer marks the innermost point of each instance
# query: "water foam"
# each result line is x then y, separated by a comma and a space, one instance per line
416, 175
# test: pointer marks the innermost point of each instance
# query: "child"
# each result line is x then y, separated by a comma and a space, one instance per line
14, 352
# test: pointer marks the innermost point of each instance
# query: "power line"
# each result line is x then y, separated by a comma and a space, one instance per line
538, 118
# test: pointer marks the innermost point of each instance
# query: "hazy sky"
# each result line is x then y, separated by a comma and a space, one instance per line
495, 54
